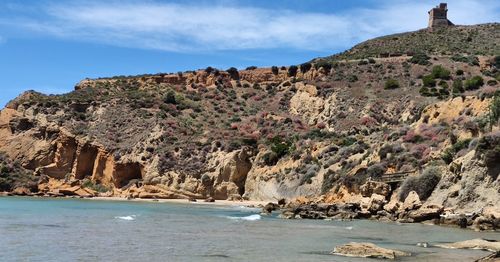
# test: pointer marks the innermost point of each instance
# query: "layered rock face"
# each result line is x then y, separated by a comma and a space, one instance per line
327, 132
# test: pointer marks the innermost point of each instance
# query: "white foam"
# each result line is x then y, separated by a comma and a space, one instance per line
128, 218
247, 218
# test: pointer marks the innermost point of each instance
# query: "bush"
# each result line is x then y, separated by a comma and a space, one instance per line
209, 70
496, 61
459, 72
429, 81
474, 83
275, 70
458, 86
420, 58
376, 170
327, 66
305, 67
391, 84
292, 71
440, 72
423, 185
233, 72
449, 154
494, 108
280, 147
169, 97
251, 68
96, 187
492, 82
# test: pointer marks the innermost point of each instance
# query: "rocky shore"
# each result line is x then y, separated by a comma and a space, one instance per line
377, 208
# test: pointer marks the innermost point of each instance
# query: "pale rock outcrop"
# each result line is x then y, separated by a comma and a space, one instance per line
367, 250
412, 201
306, 103
490, 245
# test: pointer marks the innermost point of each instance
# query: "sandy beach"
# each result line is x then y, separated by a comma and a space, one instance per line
186, 201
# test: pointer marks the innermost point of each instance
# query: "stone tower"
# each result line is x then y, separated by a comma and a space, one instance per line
438, 16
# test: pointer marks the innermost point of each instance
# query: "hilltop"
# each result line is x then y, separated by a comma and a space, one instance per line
328, 131
476, 40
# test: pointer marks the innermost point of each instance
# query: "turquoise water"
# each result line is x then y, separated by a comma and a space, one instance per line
35, 229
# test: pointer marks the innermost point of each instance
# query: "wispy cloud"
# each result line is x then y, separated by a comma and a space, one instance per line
188, 27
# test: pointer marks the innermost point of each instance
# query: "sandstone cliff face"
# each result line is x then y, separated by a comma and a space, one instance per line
328, 133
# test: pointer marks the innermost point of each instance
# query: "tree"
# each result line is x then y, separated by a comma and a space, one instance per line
275, 70
292, 71
233, 72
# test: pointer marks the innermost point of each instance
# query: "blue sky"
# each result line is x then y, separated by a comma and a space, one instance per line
50, 45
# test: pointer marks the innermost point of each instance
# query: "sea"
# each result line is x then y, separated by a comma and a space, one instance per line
49, 229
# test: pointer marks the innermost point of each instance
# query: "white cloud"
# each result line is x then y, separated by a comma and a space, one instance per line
183, 27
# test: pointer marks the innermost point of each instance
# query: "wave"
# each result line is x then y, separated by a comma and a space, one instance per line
128, 218
247, 218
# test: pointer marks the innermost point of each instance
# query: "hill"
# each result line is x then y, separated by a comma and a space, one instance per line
334, 131
474, 40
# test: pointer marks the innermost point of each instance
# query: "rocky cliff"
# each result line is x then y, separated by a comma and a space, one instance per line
328, 131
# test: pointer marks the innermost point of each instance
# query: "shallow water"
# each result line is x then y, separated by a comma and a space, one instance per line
34, 229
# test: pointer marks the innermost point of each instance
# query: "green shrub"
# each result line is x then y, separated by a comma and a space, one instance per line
429, 81
391, 84
251, 68
458, 86
449, 154
96, 187
423, 185
280, 146
440, 72
169, 97
474, 83
494, 108
459, 72
424, 91
420, 58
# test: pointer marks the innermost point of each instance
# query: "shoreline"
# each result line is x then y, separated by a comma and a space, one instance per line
245, 203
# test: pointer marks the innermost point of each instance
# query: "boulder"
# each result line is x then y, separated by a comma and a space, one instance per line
69, 191
494, 257
373, 187
270, 207
454, 220
412, 201
21, 191
376, 203
210, 200
483, 223
367, 250
392, 206
478, 243
427, 212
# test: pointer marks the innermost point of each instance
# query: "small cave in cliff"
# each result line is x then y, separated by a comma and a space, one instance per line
124, 173
85, 161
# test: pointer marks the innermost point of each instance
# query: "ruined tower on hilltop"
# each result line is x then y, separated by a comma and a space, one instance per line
438, 16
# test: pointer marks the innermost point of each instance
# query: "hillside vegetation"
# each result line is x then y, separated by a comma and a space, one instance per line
325, 130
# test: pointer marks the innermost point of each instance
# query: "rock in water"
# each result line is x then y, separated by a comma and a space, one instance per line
367, 250
478, 243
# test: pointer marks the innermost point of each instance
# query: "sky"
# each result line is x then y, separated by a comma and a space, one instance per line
50, 45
